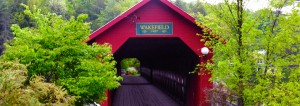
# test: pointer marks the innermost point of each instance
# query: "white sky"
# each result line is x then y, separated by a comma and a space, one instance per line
251, 4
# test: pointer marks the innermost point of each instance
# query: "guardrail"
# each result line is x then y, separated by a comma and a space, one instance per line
174, 84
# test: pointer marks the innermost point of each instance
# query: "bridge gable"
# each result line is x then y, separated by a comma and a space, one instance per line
149, 12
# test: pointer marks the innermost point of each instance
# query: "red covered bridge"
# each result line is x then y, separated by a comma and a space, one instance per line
163, 38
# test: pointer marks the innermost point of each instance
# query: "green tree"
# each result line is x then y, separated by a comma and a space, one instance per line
113, 8
16, 13
240, 39
90, 7
181, 4
55, 49
130, 62
193, 8
14, 90
4, 24
11, 12
58, 6
54, 6
190, 7
41, 4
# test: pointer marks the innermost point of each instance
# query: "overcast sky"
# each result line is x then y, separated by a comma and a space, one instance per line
251, 4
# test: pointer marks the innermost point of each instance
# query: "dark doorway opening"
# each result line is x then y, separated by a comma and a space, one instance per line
165, 63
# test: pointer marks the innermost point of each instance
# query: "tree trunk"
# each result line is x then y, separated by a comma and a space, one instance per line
240, 49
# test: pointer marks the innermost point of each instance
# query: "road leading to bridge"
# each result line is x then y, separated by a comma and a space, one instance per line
136, 91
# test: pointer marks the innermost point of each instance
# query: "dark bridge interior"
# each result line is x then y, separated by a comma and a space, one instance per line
165, 63
160, 53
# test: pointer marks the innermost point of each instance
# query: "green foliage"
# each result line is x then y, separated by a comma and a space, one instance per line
11, 12
16, 13
181, 4
275, 81
55, 49
132, 71
4, 25
90, 7
130, 65
14, 90
113, 8
130, 62
54, 6
192, 7
99, 11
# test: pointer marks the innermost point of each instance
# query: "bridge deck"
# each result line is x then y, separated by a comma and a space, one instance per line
136, 91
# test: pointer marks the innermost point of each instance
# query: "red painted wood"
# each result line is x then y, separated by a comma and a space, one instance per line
203, 83
119, 30
108, 100
132, 10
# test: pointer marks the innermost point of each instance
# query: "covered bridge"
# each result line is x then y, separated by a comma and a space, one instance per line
163, 38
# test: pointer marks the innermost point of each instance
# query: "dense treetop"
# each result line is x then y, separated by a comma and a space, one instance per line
54, 48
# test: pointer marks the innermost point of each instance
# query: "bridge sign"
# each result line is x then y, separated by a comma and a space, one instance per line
154, 28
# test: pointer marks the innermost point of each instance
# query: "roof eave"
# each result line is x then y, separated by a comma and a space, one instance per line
116, 20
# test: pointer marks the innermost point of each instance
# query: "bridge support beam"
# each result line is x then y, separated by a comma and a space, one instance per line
203, 83
107, 102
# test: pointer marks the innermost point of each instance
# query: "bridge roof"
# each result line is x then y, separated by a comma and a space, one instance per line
133, 9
